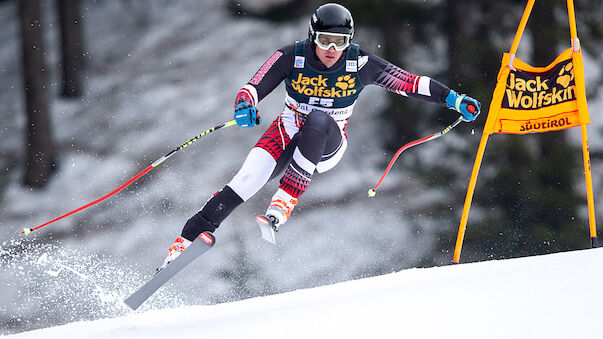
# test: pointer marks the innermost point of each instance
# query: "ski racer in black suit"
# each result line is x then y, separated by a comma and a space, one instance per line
323, 77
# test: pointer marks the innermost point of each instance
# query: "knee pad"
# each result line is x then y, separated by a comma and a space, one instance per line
319, 120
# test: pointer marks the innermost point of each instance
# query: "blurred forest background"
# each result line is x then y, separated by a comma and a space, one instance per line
530, 186
530, 197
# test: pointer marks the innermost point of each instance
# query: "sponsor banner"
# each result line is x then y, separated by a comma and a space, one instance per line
531, 99
535, 90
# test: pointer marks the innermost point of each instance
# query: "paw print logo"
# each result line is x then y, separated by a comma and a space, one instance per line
566, 75
345, 82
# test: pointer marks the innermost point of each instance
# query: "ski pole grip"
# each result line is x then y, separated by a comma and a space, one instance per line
471, 109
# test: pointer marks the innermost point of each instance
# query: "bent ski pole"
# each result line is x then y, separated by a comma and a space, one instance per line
157, 162
373, 190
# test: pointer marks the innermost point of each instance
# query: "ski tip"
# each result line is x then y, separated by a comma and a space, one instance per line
26, 231
371, 193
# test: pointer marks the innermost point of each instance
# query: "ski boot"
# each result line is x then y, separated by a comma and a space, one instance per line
277, 214
180, 244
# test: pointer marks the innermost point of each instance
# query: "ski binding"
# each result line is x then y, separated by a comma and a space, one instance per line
267, 227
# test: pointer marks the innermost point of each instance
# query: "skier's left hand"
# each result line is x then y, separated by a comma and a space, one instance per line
467, 106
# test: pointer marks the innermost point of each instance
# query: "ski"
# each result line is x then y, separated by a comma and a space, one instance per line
199, 246
268, 228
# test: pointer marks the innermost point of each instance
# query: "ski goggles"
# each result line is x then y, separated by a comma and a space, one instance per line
339, 41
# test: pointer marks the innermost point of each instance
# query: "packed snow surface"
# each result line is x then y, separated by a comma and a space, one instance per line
550, 296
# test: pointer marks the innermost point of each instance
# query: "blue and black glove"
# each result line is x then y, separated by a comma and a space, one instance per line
467, 106
246, 115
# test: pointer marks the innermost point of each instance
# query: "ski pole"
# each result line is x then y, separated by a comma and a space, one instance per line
373, 190
157, 162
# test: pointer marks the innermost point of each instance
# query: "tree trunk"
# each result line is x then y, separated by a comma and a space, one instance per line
40, 151
462, 44
71, 47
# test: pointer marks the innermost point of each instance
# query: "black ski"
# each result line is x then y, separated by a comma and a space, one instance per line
199, 246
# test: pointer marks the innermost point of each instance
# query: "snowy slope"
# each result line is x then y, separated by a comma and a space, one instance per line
552, 296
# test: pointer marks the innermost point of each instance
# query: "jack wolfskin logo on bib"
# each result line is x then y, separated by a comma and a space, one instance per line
318, 87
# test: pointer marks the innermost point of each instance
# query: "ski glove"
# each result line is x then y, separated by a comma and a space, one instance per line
467, 106
246, 115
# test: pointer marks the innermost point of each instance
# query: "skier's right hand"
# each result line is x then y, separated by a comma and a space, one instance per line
246, 115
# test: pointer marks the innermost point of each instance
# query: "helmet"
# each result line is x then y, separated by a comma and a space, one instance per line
331, 18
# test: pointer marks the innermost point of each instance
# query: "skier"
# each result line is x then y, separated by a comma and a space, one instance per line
323, 76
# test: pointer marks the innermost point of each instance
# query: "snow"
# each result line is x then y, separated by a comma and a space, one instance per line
550, 296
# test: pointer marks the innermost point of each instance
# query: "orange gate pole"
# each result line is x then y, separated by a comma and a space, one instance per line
583, 110
461, 233
482, 145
